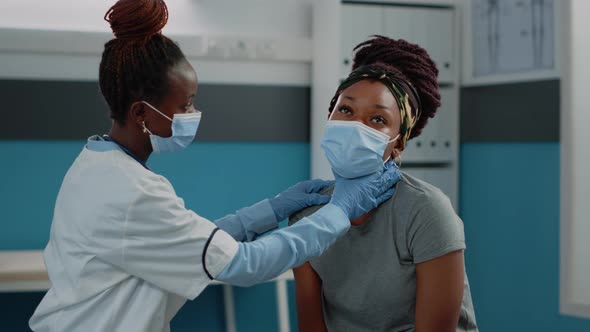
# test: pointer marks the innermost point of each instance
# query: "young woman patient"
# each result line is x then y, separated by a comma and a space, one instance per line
400, 267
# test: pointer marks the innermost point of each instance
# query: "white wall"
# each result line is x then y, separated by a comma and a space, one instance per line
575, 163
250, 18
282, 25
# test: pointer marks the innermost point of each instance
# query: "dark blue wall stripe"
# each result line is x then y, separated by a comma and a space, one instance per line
254, 113
256, 308
51, 110
16, 309
75, 110
396, 4
205, 313
293, 323
518, 112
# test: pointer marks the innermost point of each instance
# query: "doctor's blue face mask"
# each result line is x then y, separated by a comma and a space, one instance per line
184, 129
354, 149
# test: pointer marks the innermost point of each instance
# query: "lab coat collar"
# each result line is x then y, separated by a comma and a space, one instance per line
99, 144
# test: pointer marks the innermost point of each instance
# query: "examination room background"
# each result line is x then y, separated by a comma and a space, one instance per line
254, 142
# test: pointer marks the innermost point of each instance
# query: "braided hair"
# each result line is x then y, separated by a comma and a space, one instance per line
402, 61
135, 63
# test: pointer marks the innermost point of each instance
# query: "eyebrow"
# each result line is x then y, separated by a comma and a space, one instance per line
376, 105
382, 106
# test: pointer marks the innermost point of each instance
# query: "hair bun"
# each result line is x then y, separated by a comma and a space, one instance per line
137, 19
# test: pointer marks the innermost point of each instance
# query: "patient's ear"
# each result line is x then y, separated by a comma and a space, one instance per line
397, 153
398, 149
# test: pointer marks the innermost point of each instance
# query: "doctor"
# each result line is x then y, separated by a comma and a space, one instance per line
124, 253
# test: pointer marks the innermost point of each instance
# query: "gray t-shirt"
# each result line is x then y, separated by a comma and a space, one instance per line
369, 275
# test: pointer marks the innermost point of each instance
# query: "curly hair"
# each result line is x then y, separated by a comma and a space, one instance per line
135, 63
410, 63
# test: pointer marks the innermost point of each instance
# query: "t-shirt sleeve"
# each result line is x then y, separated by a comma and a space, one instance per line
163, 243
434, 230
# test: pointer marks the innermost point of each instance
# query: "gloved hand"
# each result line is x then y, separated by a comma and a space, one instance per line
298, 197
359, 196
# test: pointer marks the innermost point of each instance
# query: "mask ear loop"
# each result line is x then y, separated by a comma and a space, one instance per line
145, 130
393, 140
155, 109
398, 165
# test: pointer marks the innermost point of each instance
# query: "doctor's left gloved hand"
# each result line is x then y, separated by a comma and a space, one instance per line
298, 197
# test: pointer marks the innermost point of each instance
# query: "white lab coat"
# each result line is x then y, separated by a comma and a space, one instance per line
124, 254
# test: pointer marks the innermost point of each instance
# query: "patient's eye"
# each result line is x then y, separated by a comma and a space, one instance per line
379, 120
344, 110
188, 105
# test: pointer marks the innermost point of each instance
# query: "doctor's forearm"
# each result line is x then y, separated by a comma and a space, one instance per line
249, 222
268, 257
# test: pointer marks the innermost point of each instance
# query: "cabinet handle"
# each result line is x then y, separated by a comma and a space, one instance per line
346, 61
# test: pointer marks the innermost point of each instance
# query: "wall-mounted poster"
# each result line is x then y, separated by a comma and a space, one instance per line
510, 40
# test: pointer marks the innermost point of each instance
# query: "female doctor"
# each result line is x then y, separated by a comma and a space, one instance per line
124, 253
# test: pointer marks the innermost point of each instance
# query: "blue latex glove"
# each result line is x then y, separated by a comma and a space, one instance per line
298, 197
360, 195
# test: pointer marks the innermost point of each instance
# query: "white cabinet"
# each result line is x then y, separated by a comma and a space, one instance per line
358, 22
439, 141
431, 28
427, 27
444, 178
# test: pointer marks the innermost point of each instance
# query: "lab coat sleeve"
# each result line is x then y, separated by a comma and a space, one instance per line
247, 223
271, 255
163, 243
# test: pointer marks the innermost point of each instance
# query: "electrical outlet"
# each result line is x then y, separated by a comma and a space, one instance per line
242, 49
266, 50
217, 48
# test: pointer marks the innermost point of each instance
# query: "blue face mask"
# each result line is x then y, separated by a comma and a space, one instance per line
184, 129
353, 149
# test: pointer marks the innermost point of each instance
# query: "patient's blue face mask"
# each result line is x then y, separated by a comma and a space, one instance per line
184, 129
354, 149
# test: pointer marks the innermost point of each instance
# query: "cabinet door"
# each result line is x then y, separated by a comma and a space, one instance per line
447, 122
431, 28
438, 142
358, 22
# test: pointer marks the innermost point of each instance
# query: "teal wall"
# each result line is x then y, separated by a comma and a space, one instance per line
510, 207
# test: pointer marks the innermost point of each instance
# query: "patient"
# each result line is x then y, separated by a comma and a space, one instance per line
400, 267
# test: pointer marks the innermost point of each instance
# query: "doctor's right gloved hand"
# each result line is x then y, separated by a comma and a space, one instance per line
360, 195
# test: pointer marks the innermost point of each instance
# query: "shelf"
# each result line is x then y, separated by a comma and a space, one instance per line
24, 271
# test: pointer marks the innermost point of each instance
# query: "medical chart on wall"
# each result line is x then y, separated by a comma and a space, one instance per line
512, 36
